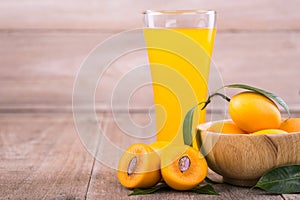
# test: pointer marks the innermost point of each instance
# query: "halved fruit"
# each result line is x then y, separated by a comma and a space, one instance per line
183, 167
139, 167
159, 146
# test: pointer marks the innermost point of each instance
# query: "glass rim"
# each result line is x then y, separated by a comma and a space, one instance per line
178, 12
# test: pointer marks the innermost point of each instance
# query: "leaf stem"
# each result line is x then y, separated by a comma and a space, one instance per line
211, 96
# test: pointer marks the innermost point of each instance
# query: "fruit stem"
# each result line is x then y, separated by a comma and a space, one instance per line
211, 96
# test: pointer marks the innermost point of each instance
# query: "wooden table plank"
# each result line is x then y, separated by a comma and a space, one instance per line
41, 157
38, 69
290, 196
104, 183
127, 14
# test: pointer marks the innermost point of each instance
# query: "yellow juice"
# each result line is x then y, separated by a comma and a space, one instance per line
179, 62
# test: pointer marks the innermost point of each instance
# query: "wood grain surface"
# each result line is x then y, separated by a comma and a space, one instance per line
127, 14
43, 157
38, 69
254, 154
44, 43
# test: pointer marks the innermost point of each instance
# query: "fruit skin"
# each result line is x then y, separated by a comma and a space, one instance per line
269, 131
252, 112
172, 174
147, 171
291, 125
227, 127
159, 146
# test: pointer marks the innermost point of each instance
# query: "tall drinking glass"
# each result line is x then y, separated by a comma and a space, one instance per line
179, 46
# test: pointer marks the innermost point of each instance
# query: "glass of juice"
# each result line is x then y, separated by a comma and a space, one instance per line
179, 45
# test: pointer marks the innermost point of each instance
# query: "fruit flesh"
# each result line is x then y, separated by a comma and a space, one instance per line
252, 112
139, 167
183, 167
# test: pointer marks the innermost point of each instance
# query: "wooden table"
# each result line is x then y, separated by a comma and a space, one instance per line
42, 47
42, 157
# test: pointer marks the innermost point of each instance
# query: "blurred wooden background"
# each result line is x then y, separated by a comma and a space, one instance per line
43, 44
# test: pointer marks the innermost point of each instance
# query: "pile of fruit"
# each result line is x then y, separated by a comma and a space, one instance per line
254, 113
183, 167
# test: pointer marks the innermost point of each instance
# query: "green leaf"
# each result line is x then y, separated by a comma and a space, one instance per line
188, 125
281, 180
206, 189
140, 191
269, 95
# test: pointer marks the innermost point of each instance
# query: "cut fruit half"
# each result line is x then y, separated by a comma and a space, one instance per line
139, 167
183, 167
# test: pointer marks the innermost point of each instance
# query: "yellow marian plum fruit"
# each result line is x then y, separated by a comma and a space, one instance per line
252, 112
227, 127
159, 146
291, 125
269, 131
139, 167
183, 167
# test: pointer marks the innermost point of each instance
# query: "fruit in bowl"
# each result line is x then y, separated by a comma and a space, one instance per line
254, 141
243, 158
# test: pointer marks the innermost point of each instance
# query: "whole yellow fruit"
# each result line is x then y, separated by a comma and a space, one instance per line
227, 127
291, 125
269, 131
252, 112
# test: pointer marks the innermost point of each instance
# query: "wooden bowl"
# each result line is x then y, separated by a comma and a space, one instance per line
243, 158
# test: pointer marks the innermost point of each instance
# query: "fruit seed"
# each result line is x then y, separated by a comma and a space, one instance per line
131, 165
184, 163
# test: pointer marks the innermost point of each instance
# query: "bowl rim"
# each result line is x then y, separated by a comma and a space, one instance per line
203, 126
